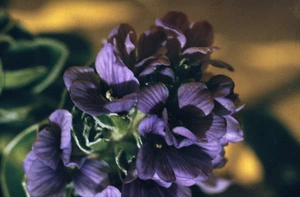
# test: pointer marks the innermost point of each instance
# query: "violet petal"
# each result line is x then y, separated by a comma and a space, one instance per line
151, 125
145, 163
79, 73
220, 86
195, 96
151, 99
91, 177
42, 180
87, 97
109, 191
46, 146
113, 71
63, 119
122, 105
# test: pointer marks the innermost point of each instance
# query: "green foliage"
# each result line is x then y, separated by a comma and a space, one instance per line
12, 173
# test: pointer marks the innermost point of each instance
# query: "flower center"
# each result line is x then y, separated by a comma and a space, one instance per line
108, 95
158, 146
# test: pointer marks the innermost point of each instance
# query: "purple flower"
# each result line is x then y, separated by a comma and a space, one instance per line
181, 39
225, 105
49, 167
114, 88
185, 165
134, 186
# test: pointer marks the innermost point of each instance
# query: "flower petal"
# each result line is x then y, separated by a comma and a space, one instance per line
180, 37
182, 131
177, 19
151, 125
91, 177
109, 191
207, 128
217, 63
195, 97
220, 86
113, 71
150, 42
46, 146
79, 73
202, 50
151, 99
124, 38
214, 185
189, 164
87, 97
145, 162
149, 188
163, 168
122, 105
42, 180
63, 119
234, 132
199, 34
30, 158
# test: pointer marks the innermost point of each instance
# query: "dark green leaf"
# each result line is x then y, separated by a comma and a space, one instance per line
12, 173
46, 56
23, 77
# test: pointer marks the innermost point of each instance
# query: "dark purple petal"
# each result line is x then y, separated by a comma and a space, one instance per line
149, 188
220, 86
145, 163
173, 31
214, 185
113, 71
233, 133
194, 96
150, 42
199, 34
177, 19
110, 191
202, 50
63, 119
151, 125
79, 73
87, 97
163, 167
217, 63
46, 146
42, 180
207, 128
189, 164
124, 38
91, 177
152, 98
224, 106
122, 105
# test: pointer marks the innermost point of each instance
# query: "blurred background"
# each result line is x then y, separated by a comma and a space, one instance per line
260, 39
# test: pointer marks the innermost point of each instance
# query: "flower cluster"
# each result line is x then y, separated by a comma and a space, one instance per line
147, 113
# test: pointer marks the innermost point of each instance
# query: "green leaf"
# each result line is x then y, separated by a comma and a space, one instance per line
41, 59
12, 173
17, 114
1, 78
23, 77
